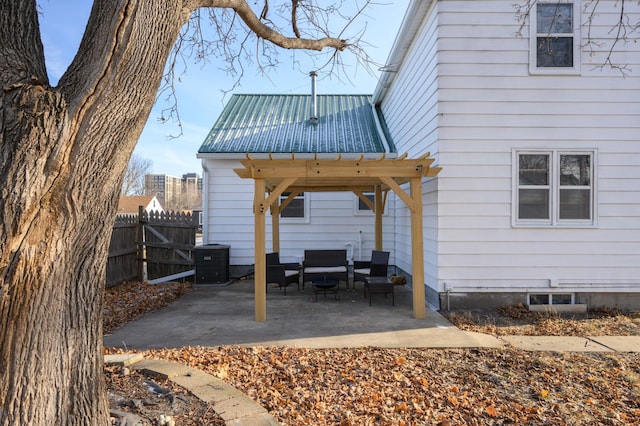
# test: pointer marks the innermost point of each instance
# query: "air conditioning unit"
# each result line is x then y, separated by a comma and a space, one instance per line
212, 264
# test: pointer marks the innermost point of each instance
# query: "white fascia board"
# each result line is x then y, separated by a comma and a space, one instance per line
298, 156
411, 22
376, 119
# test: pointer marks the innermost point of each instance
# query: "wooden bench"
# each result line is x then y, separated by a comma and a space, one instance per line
321, 264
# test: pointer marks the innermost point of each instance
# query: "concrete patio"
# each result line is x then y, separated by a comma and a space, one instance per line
224, 315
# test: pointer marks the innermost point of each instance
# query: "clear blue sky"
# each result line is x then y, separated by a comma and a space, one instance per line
200, 92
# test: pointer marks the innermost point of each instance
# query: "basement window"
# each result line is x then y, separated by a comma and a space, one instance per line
551, 299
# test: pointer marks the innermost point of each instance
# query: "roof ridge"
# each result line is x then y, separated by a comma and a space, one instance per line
303, 94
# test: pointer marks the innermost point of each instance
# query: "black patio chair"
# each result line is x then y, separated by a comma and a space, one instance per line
376, 267
283, 274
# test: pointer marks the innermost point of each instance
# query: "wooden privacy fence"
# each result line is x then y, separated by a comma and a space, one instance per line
122, 264
151, 246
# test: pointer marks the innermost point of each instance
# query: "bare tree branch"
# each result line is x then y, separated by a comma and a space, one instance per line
294, 19
230, 27
253, 22
621, 28
133, 183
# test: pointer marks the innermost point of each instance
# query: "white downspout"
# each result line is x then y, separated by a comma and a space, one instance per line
205, 202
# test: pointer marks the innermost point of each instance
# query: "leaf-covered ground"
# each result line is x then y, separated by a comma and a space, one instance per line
518, 320
376, 386
128, 301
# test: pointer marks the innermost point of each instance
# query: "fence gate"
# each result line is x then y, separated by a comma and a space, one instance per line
167, 243
151, 246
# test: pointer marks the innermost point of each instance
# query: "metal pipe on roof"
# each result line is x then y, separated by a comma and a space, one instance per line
314, 100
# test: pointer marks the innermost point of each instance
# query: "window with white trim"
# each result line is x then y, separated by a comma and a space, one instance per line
361, 206
554, 187
296, 209
555, 38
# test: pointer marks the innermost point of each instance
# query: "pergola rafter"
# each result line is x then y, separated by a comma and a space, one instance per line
274, 176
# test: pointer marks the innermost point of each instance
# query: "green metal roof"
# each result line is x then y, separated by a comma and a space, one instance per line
281, 124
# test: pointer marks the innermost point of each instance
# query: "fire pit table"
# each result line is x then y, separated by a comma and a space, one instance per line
325, 285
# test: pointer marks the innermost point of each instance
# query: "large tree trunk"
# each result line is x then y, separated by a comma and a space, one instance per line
64, 153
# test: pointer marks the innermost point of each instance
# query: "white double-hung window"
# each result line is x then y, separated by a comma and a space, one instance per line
554, 187
555, 38
296, 210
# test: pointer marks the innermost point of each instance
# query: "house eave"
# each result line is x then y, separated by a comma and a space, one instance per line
411, 23
296, 155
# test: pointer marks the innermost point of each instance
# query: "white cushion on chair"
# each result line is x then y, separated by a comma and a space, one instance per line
290, 273
363, 271
324, 269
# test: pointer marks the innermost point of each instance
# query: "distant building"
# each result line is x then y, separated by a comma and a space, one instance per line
167, 188
130, 204
192, 189
175, 193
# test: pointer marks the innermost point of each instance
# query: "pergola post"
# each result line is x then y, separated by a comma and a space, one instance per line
379, 211
275, 227
260, 262
417, 249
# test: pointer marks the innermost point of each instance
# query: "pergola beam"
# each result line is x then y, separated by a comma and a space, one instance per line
408, 200
336, 168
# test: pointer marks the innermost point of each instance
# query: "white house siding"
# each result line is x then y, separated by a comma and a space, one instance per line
489, 106
228, 206
332, 223
492, 107
411, 113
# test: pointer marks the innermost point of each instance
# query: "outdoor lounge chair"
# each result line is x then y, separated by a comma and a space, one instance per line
282, 274
376, 267
323, 264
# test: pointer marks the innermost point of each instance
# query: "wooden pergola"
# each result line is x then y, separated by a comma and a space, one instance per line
274, 176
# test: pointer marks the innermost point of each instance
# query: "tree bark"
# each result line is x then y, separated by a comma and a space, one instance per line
63, 154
